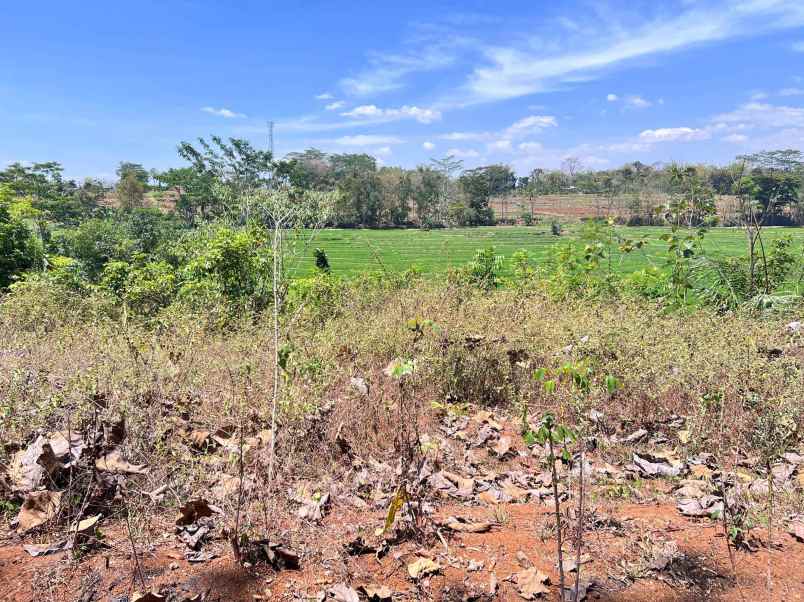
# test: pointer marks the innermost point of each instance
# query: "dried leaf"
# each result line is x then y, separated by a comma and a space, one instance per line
532, 583
192, 511
502, 447
343, 593
463, 526
151, 596
399, 499
46, 548
114, 462
376, 593
422, 567
38, 508
30, 467
796, 529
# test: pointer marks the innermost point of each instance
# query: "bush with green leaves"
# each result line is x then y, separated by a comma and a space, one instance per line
19, 250
484, 269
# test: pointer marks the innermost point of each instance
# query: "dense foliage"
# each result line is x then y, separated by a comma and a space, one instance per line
202, 235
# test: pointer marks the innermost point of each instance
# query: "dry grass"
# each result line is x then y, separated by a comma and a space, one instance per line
175, 374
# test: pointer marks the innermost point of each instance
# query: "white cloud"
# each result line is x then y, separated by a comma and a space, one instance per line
637, 102
324, 96
627, 147
681, 134
222, 112
531, 124
463, 153
428, 146
334, 106
530, 147
387, 71
458, 136
373, 112
503, 145
791, 92
366, 140
539, 64
383, 151
763, 115
759, 95
631, 101
735, 138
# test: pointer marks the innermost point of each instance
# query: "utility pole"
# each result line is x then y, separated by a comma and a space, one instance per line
271, 137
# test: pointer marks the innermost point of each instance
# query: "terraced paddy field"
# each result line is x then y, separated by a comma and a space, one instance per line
352, 252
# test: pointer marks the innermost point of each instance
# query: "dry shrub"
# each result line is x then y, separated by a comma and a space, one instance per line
483, 351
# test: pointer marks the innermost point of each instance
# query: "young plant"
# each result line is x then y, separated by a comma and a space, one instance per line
556, 437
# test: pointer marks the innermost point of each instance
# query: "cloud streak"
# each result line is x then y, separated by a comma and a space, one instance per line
222, 112
513, 71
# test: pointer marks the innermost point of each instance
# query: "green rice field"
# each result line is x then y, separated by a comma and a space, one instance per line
352, 252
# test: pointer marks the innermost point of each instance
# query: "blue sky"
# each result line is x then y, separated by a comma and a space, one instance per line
525, 83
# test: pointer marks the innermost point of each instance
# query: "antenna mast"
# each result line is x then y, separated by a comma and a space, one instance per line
271, 137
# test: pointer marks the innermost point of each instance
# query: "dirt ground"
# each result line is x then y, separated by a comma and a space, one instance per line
635, 547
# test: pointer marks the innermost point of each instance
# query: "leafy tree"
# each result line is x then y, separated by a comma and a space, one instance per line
310, 170
94, 243
130, 192
479, 185
19, 250
133, 170
195, 192
234, 169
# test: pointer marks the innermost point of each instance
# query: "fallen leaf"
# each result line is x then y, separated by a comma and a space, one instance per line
30, 467
202, 440
114, 462
502, 447
38, 508
708, 505
421, 567
376, 593
151, 596
656, 465
463, 526
699, 471
490, 497
532, 583
514, 493
67, 446
343, 593
193, 510
46, 548
796, 529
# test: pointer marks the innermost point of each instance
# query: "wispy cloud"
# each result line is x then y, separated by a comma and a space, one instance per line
764, 115
387, 72
334, 106
428, 146
530, 125
791, 92
367, 140
466, 136
797, 46
518, 70
735, 138
324, 96
679, 134
630, 101
463, 153
222, 112
373, 112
